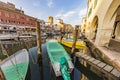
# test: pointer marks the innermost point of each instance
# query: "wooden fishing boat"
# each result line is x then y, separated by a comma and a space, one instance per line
58, 56
69, 42
15, 67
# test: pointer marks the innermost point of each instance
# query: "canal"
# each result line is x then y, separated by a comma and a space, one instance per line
80, 72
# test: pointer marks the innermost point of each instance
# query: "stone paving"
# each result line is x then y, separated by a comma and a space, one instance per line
112, 56
114, 45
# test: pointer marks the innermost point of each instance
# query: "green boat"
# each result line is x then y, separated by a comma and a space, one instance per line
59, 59
15, 67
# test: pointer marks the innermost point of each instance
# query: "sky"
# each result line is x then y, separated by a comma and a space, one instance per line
71, 11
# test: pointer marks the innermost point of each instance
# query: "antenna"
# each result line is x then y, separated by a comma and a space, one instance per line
21, 8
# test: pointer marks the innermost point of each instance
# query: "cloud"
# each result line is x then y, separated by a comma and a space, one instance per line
82, 12
36, 3
67, 14
68, 17
70, 13
6, 0
73, 16
50, 3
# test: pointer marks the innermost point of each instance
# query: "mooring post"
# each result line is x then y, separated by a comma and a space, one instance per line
1, 75
67, 32
75, 39
73, 46
38, 31
61, 34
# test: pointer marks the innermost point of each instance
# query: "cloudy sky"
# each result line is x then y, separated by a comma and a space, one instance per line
71, 11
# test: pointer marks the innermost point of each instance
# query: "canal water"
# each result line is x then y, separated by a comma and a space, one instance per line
80, 71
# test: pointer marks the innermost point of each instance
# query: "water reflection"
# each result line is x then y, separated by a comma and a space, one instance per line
85, 72
81, 72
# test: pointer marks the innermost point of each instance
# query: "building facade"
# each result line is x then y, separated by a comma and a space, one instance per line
103, 21
83, 26
103, 30
50, 19
10, 15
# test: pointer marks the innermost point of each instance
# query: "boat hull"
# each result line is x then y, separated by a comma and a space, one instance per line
16, 66
55, 52
69, 43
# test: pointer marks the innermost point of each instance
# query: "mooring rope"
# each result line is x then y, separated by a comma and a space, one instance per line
6, 53
34, 62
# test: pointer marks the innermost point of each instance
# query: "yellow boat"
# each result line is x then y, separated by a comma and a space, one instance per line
69, 43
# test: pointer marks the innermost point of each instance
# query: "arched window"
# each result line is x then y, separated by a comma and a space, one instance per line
94, 27
116, 31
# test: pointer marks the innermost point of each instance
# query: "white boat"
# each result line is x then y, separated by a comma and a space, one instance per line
16, 66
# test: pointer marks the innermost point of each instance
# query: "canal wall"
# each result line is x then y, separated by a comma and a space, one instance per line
10, 47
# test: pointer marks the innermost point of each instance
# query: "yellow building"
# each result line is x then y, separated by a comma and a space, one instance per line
69, 28
50, 19
83, 26
103, 30
103, 21
59, 23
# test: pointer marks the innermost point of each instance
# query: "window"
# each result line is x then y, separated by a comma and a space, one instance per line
30, 19
6, 14
27, 19
19, 22
95, 3
11, 21
12, 15
90, 11
1, 20
22, 17
7, 21
18, 17
0, 13
22, 22
5, 27
14, 21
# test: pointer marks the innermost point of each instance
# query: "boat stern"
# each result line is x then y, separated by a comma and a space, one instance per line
56, 67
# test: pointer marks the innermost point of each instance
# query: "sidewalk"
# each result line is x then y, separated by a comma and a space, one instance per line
111, 56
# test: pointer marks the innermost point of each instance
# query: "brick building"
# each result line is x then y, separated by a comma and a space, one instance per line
10, 15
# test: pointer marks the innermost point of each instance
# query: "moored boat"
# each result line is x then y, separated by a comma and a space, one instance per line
69, 42
59, 59
16, 66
